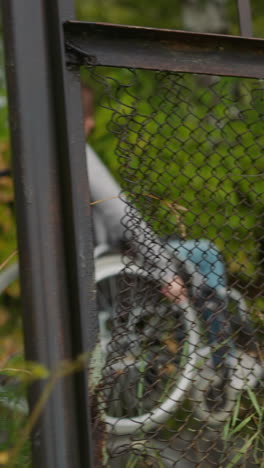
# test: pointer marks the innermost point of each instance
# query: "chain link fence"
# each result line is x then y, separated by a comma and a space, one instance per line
182, 382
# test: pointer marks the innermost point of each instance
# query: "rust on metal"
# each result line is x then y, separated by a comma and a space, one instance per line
163, 49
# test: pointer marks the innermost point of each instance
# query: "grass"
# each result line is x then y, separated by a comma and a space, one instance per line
12, 424
143, 456
247, 428
15, 452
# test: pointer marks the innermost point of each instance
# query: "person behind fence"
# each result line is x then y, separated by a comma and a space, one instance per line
200, 259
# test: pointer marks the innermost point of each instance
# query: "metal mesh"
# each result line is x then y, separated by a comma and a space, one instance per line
182, 384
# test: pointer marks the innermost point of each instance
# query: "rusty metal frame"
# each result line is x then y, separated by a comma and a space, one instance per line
163, 49
53, 222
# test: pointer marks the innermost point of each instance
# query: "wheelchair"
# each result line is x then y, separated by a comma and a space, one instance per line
154, 354
157, 353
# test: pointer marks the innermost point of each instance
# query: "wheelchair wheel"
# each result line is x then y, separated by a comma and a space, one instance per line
149, 346
158, 370
244, 372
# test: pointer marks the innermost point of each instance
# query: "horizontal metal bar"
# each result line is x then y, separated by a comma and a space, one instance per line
163, 49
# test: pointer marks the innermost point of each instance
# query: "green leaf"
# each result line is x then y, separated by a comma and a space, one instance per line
241, 425
242, 451
236, 411
226, 431
254, 401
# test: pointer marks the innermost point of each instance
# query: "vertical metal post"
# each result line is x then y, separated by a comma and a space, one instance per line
245, 18
53, 220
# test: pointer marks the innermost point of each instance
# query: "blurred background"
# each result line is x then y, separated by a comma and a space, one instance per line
216, 16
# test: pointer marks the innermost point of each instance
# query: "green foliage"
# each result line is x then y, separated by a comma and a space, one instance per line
159, 14
170, 137
12, 423
245, 429
7, 225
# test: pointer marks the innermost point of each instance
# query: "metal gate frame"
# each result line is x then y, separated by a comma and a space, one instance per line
52, 195
53, 220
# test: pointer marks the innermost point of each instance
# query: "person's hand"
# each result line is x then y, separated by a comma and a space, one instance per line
175, 290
